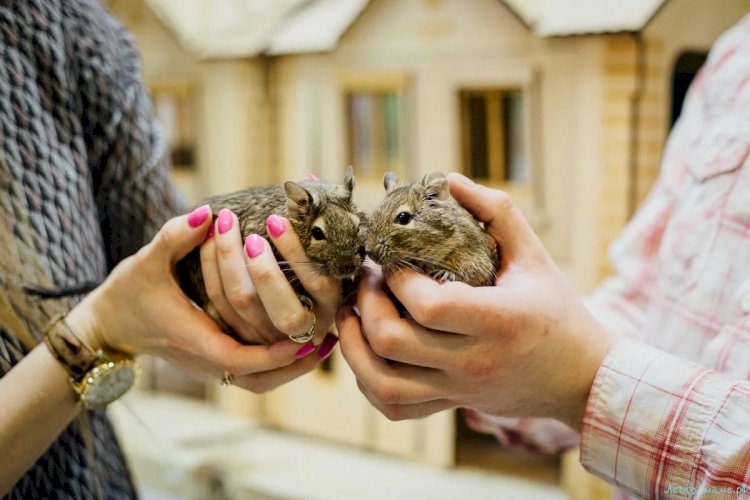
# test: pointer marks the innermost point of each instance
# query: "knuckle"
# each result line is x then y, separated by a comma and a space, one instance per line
224, 251
263, 277
386, 393
479, 368
292, 323
168, 236
385, 342
503, 201
426, 310
325, 286
255, 385
394, 413
240, 298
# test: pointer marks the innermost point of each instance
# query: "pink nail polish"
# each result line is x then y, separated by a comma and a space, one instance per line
304, 351
210, 233
253, 245
326, 347
198, 216
275, 226
309, 176
225, 220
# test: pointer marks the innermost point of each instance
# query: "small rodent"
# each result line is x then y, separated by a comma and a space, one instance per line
421, 226
329, 226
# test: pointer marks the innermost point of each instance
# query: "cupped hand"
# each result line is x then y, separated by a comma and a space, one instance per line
524, 347
140, 308
250, 290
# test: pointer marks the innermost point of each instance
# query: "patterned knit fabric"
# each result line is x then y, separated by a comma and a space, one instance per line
83, 184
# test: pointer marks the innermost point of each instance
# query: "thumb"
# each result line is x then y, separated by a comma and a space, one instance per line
502, 218
182, 234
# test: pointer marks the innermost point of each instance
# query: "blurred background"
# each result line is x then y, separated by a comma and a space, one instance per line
565, 104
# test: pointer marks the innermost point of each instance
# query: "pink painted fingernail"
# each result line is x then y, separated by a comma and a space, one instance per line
311, 177
210, 233
253, 246
304, 351
198, 216
275, 226
225, 220
326, 347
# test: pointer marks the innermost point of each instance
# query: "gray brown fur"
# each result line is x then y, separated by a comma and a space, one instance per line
442, 239
305, 204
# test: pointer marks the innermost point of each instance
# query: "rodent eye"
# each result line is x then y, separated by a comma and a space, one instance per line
403, 218
317, 233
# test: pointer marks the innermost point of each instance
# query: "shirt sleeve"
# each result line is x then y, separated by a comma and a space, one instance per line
659, 426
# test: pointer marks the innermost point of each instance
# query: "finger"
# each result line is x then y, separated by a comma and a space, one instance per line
180, 235
503, 220
309, 176
324, 288
449, 307
278, 297
269, 380
398, 412
215, 288
397, 384
239, 299
399, 339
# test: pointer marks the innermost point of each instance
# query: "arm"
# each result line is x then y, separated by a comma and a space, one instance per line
138, 309
658, 426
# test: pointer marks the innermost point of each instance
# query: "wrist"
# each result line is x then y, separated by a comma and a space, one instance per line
595, 348
81, 320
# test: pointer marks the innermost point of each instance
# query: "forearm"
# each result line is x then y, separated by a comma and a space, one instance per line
38, 402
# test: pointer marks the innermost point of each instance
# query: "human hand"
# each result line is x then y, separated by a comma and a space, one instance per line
140, 308
524, 347
250, 291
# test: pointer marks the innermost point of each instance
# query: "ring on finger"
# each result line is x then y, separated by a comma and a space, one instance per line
227, 379
303, 338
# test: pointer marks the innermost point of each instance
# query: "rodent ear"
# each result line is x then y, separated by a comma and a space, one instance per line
349, 179
299, 201
389, 181
435, 186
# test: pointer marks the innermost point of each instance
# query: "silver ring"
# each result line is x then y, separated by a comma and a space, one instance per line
304, 338
226, 379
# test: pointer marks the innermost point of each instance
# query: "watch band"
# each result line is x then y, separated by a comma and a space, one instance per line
73, 353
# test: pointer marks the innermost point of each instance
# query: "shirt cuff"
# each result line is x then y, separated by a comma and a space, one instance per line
646, 418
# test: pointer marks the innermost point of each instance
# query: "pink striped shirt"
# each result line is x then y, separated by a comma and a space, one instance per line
669, 411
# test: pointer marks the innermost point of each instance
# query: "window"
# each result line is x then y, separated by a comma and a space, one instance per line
685, 69
493, 136
375, 127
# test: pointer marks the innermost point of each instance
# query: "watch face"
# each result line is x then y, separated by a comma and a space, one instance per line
106, 383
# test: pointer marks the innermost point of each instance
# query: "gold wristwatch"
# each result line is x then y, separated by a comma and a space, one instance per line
98, 378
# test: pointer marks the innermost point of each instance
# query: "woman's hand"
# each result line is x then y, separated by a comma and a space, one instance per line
524, 347
140, 308
251, 292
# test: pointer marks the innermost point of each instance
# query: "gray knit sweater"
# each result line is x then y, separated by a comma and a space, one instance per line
83, 184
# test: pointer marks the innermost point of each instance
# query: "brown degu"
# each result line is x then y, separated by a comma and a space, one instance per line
421, 226
329, 226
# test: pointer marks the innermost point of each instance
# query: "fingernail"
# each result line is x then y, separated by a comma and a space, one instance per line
275, 226
326, 347
198, 216
210, 233
225, 220
304, 351
253, 246
310, 177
